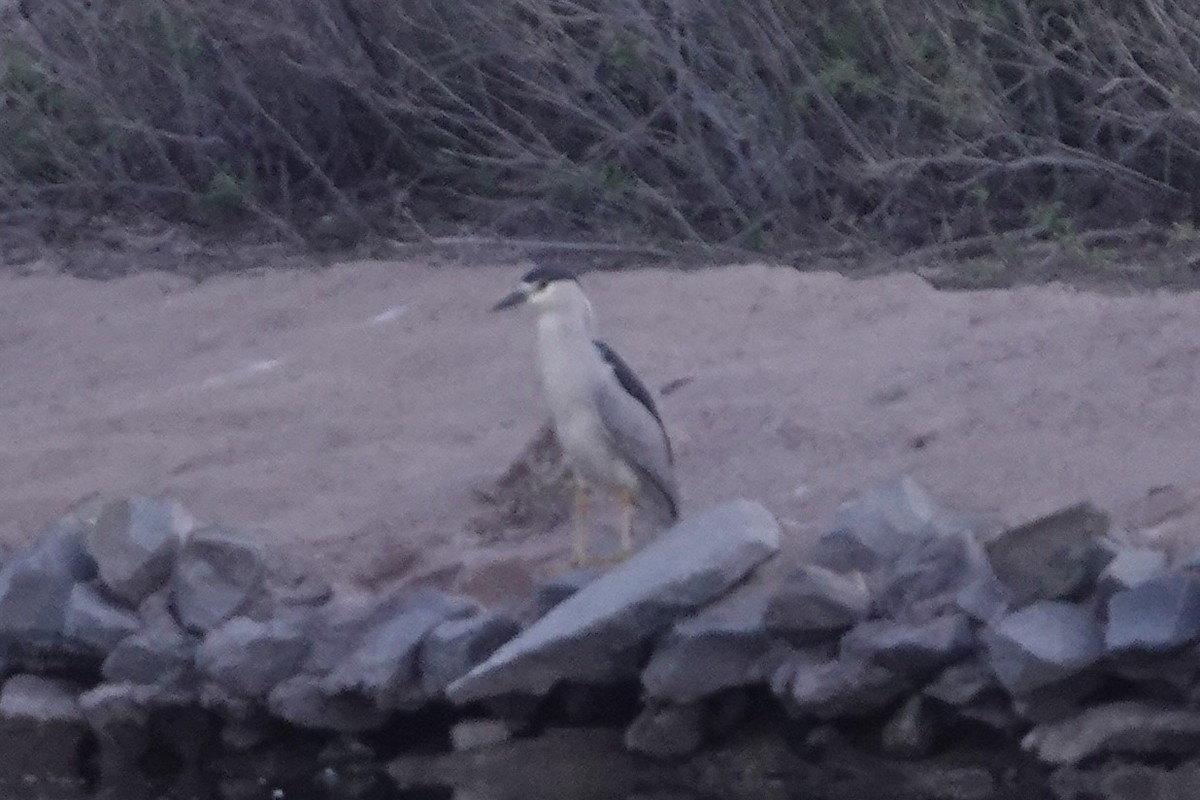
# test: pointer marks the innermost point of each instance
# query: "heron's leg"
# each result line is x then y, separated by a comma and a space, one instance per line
579, 555
625, 499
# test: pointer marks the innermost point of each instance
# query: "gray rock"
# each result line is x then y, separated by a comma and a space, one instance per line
1041, 644
910, 731
1161, 614
666, 731
249, 658
984, 598
915, 649
97, 621
303, 701
41, 729
815, 603
1133, 566
593, 635
1127, 728
1059, 556
963, 683
549, 593
840, 688
720, 647
923, 581
218, 573
1057, 701
476, 734
385, 666
340, 627
150, 657
35, 585
134, 543
876, 528
456, 646
119, 717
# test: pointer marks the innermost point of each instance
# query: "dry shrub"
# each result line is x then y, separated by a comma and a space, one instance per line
751, 121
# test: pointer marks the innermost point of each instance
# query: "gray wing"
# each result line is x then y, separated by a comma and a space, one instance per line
631, 418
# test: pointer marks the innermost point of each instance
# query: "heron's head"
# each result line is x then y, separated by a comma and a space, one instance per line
549, 289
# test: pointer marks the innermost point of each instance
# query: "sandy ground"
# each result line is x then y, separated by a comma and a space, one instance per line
346, 415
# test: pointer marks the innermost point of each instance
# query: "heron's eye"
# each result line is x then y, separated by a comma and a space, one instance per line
541, 285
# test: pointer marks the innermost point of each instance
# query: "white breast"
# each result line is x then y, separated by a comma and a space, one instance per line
570, 368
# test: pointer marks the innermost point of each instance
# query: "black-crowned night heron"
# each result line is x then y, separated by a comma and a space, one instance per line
604, 416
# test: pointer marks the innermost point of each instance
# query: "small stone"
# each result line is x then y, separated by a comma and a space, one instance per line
1058, 556
876, 528
723, 646
840, 688
134, 542
385, 666
923, 581
1159, 615
666, 731
911, 649
910, 731
476, 734
150, 657
814, 603
219, 572
119, 716
456, 646
249, 658
41, 729
963, 683
95, 620
1127, 728
35, 586
1133, 566
302, 700
1041, 644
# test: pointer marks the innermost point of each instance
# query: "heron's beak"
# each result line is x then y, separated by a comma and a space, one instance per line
513, 298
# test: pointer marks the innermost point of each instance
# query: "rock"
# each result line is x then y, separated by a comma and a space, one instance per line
876, 528
456, 646
911, 649
720, 647
218, 573
134, 543
336, 629
963, 683
150, 657
593, 635
666, 731
475, 734
97, 621
35, 586
815, 603
922, 582
910, 731
42, 729
1159, 615
385, 666
119, 717
840, 688
549, 593
249, 658
984, 598
1041, 644
1058, 701
1058, 556
1133, 566
1127, 728
303, 701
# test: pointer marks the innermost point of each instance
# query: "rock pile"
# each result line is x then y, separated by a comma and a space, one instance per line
139, 629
